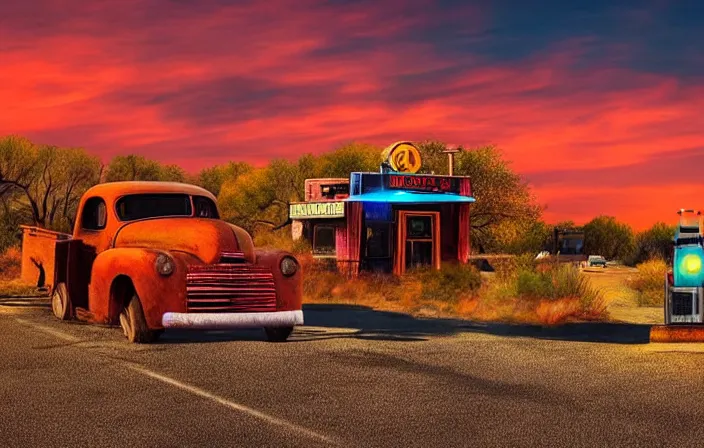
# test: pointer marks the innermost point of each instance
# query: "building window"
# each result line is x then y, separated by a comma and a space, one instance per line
420, 241
379, 240
94, 214
324, 241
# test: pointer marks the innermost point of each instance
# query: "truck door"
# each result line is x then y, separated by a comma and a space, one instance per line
82, 251
70, 269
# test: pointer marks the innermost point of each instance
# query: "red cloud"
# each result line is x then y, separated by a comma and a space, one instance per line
198, 84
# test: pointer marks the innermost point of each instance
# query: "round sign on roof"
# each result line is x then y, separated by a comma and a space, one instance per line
403, 157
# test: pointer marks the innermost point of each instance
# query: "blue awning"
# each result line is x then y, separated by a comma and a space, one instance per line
409, 197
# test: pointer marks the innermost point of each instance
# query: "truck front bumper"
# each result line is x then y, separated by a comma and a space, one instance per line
230, 321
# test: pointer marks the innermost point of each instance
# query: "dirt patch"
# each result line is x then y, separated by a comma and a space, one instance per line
622, 301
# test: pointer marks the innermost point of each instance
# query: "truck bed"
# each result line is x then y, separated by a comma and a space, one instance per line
41, 250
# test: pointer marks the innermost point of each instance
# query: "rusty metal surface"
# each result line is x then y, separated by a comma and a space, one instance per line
289, 290
38, 255
204, 238
157, 294
677, 333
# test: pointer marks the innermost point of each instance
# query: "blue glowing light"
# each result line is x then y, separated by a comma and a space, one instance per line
687, 272
409, 197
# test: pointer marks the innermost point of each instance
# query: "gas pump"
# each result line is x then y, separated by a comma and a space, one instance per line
684, 284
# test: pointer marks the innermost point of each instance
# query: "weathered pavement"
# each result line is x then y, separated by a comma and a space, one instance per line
354, 377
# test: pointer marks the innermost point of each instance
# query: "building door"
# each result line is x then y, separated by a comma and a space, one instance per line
418, 242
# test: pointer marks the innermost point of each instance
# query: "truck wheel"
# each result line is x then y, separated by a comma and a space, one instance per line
279, 334
60, 302
134, 325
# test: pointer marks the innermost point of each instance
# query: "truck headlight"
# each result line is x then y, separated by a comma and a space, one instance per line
692, 264
289, 266
164, 265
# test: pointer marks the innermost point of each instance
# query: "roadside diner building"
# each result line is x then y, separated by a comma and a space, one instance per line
387, 222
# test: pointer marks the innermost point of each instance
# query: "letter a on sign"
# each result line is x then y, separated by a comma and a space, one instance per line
403, 157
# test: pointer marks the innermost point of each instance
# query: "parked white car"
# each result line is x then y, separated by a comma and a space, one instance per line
596, 260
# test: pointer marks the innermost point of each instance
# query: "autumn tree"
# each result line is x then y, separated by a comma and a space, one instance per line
133, 167
50, 180
260, 198
347, 159
518, 237
655, 242
504, 202
435, 161
606, 236
214, 177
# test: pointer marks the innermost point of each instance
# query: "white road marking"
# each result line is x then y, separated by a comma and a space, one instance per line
231, 404
194, 390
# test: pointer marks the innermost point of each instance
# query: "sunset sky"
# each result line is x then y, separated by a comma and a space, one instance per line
600, 107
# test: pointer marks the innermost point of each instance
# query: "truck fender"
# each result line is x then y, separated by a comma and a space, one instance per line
117, 270
289, 290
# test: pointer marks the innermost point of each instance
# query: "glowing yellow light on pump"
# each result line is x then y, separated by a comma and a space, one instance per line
692, 264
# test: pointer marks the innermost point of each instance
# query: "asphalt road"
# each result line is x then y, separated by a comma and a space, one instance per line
351, 377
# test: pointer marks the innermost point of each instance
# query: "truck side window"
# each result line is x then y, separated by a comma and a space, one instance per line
94, 214
205, 208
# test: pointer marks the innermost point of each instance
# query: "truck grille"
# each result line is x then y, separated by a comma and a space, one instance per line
683, 304
233, 288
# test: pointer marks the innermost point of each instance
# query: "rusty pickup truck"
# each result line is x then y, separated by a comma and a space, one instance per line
150, 256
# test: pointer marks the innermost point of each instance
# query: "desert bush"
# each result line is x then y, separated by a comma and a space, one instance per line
546, 293
532, 284
450, 283
10, 263
649, 282
280, 239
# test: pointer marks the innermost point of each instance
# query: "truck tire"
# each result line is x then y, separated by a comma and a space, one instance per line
279, 334
60, 302
134, 325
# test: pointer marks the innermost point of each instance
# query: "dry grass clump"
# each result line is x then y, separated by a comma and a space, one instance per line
539, 294
547, 294
10, 270
649, 282
280, 239
10, 263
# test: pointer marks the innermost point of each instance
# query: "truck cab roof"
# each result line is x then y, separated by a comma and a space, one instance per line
113, 190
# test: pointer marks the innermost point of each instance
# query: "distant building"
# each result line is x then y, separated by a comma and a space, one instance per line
568, 244
388, 221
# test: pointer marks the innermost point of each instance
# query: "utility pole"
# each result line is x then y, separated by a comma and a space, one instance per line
451, 151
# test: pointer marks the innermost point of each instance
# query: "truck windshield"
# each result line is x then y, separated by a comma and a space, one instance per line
141, 206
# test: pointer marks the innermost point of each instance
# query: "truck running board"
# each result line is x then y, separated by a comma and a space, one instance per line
677, 333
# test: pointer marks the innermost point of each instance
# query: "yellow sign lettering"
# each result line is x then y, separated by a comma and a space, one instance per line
403, 157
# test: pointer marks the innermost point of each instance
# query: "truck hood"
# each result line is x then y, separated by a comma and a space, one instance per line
205, 239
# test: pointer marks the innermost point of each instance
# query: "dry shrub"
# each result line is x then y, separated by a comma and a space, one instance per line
452, 282
10, 263
551, 312
438, 291
16, 288
649, 282
547, 294
10, 271
280, 239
